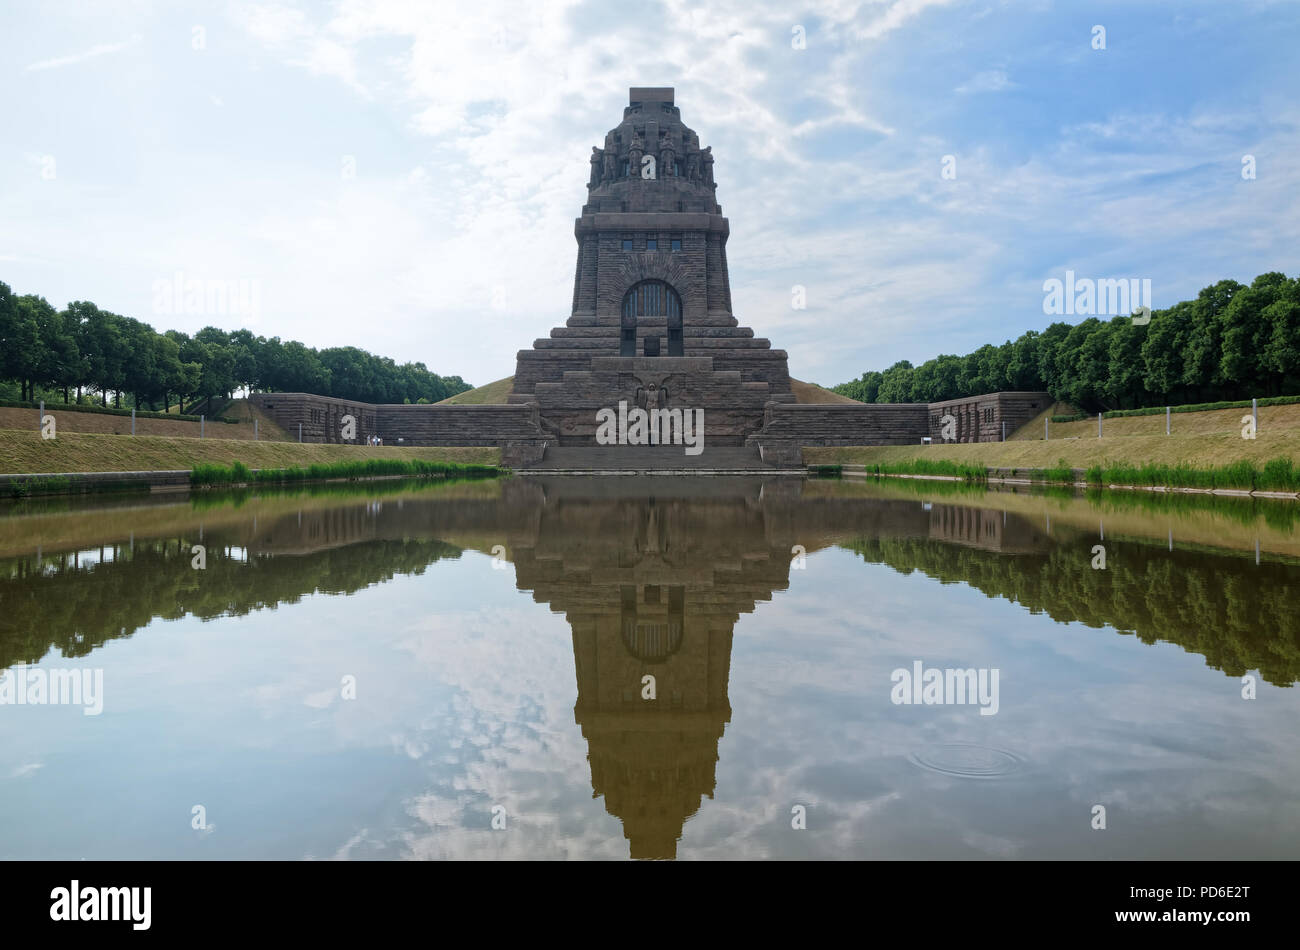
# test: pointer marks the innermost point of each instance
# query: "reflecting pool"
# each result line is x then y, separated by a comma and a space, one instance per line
679, 668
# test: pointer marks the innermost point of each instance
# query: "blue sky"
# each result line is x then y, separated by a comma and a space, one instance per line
404, 176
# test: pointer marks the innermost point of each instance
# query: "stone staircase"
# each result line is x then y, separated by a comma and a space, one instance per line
638, 459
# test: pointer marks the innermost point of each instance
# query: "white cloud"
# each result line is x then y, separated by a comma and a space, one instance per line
896, 15
101, 49
991, 80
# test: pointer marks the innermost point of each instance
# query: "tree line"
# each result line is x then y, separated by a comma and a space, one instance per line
78, 608
1231, 342
83, 349
1237, 615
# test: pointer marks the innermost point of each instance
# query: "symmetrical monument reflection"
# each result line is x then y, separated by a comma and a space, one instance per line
652, 577
652, 586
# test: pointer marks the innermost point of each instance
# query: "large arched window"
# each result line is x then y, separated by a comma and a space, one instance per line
652, 624
651, 298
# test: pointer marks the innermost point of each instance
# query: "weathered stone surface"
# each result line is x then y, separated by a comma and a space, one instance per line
842, 424
981, 418
323, 420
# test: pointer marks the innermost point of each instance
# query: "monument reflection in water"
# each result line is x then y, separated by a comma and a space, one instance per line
653, 577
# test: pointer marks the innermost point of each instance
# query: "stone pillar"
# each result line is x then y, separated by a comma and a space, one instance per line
584, 291
713, 273
726, 279
577, 273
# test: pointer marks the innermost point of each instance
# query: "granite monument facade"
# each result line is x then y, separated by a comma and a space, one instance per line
651, 327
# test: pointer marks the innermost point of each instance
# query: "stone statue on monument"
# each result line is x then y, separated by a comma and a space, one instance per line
667, 156
651, 397
692, 156
692, 166
634, 153
611, 158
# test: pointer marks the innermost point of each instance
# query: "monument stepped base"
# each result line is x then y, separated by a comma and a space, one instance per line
774, 433
654, 459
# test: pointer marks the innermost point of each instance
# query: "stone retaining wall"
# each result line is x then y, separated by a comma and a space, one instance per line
981, 418
564, 412
322, 419
843, 424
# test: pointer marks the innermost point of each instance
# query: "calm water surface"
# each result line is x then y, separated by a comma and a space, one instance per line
383, 672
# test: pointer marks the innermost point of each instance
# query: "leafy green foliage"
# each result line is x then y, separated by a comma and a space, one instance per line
84, 347
1231, 342
1279, 474
1061, 472
100, 410
40, 485
77, 609
239, 473
1237, 615
970, 473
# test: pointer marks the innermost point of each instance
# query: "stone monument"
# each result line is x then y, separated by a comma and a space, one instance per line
651, 310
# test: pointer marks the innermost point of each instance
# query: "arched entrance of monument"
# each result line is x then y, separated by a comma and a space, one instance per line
651, 618
647, 299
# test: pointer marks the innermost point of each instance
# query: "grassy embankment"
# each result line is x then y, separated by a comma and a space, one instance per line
494, 394
66, 523
235, 422
240, 474
490, 394
24, 451
1205, 450
811, 393
1208, 521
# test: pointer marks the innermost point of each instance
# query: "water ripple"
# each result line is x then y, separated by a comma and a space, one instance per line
967, 760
